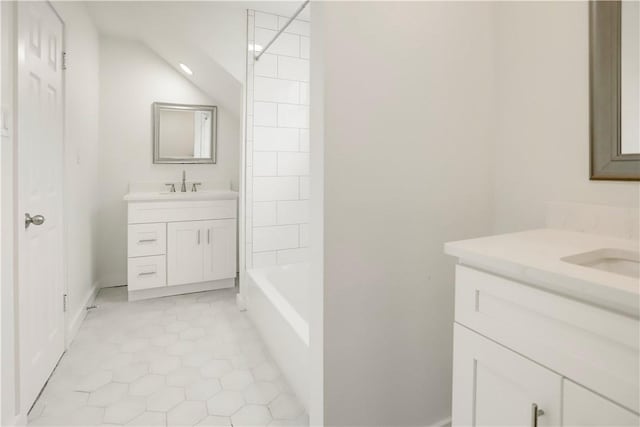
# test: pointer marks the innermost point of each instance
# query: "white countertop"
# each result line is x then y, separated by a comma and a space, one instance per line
177, 196
534, 257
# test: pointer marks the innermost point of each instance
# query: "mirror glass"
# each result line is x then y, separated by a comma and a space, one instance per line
630, 77
184, 133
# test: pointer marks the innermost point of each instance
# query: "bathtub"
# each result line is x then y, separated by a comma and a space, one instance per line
277, 303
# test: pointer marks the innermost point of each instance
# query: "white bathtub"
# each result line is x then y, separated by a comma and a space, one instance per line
277, 302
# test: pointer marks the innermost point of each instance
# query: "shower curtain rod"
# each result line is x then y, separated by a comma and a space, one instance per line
295, 15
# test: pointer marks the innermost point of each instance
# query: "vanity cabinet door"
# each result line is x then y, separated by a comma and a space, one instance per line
219, 249
584, 408
185, 252
494, 386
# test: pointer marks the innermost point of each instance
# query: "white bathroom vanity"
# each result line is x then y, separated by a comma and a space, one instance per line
180, 242
546, 330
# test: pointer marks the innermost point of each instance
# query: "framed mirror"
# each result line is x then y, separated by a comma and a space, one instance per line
615, 90
184, 133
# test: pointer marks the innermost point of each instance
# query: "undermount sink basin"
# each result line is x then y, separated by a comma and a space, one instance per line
618, 261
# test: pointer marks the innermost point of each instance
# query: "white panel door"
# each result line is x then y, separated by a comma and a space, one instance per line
185, 252
220, 249
40, 163
583, 408
494, 386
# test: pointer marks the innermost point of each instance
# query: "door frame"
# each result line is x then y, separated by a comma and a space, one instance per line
19, 201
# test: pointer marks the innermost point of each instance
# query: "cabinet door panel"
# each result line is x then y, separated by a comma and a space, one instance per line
185, 252
584, 408
220, 249
494, 386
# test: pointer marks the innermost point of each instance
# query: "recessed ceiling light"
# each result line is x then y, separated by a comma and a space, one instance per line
186, 69
255, 48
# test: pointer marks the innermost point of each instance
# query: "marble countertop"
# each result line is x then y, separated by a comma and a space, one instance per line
535, 257
177, 196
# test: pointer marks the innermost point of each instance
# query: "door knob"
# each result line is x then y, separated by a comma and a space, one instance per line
35, 220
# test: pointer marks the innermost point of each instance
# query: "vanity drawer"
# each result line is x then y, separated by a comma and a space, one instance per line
177, 211
589, 345
147, 239
147, 272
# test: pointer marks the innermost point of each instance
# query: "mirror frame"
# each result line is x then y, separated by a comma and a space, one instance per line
606, 159
157, 107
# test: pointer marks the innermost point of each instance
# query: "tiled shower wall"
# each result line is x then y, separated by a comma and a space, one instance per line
277, 151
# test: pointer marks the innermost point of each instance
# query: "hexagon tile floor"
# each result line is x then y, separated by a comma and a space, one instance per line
177, 361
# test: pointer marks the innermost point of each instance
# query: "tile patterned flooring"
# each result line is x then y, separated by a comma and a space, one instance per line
176, 361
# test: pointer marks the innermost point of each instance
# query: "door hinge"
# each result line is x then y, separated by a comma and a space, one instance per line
64, 60
64, 303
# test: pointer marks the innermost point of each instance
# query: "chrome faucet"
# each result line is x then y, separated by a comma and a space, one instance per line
183, 188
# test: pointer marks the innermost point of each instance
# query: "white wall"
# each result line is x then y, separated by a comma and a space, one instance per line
278, 144
408, 99
81, 158
316, 221
542, 115
131, 79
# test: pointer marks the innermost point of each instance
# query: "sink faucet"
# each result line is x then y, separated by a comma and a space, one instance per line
183, 188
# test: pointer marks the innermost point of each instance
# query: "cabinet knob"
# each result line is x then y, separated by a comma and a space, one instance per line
535, 414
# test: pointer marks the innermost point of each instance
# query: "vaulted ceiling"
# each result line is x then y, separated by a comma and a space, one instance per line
208, 36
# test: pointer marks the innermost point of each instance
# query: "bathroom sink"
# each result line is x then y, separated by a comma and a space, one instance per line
618, 261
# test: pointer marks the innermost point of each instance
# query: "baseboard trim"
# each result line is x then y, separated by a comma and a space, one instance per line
446, 422
166, 291
73, 326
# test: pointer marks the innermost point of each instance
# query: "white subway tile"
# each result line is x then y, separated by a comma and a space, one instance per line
304, 235
275, 188
293, 68
304, 93
265, 163
264, 213
293, 256
305, 188
267, 66
293, 212
274, 90
285, 44
298, 26
304, 140
274, 238
265, 114
266, 20
293, 116
275, 139
264, 259
291, 163
305, 50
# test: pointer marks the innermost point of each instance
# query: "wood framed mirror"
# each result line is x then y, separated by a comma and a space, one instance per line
614, 62
184, 134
